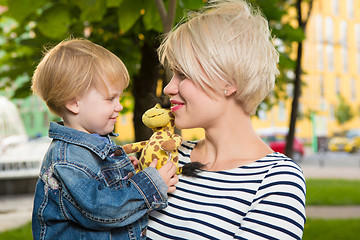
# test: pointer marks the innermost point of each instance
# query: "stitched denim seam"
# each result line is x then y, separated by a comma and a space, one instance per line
93, 218
62, 207
157, 190
101, 153
40, 216
83, 168
141, 192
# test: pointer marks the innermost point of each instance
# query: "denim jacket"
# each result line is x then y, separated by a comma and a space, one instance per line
85, 192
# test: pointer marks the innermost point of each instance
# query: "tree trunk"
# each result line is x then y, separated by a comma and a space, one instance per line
295, 104
297, 83
144, 88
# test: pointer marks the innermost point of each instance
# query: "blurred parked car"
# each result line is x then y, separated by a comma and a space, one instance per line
276, 139
349, 142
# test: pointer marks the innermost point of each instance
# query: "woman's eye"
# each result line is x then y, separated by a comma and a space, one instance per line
182, 76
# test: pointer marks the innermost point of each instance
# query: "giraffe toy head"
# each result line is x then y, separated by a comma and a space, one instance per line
157, 118
163, 143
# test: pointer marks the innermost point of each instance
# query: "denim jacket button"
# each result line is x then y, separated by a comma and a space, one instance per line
117, 153
143, 233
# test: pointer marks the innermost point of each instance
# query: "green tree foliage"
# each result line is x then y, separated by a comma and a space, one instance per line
131, 29
343, 111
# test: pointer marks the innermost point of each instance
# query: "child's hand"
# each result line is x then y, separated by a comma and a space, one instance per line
134, 162
167, 172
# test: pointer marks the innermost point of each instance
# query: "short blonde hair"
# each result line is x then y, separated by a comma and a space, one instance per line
69, 69
227, 42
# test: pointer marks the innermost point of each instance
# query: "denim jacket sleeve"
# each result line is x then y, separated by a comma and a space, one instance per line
86, 201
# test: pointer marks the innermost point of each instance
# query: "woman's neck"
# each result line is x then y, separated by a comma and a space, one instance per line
230, 144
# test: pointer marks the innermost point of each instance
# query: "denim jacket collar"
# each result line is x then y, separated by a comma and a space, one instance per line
60, 132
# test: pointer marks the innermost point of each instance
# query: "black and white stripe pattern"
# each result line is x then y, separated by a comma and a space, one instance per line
263, 200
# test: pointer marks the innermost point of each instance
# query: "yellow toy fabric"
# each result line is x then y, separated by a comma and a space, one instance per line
163, 143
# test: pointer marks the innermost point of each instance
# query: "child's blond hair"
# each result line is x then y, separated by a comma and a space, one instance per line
69, 69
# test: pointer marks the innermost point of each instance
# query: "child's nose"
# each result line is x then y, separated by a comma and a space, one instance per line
118, 107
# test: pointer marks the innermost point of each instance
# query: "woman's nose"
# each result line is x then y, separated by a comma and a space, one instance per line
172, 87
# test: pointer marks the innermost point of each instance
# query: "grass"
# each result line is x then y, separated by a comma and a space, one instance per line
21, 233
321, 229
333, 192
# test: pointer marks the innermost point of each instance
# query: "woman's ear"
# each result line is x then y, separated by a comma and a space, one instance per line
72, 106
229, 90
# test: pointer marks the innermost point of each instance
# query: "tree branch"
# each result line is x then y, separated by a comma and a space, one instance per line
162, 11
308, 14
299, 13
170, 16
302, 23
167, 18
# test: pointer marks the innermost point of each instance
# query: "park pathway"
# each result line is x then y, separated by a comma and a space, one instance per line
332, 212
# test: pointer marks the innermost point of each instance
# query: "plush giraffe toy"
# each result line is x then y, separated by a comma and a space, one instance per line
163, 144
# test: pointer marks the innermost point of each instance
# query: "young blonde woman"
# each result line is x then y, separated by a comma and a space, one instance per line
224, 65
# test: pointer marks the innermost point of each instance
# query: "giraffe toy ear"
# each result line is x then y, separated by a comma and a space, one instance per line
168, 145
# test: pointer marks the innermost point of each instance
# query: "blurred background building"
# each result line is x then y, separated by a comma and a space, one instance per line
331, 66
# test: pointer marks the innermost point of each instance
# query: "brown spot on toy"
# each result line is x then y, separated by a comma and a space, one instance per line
176, 160
156, 148
129, 148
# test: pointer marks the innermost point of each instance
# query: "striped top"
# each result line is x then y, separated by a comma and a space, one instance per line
262, 200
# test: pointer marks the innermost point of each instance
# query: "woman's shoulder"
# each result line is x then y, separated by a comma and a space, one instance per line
279, 160
282, 168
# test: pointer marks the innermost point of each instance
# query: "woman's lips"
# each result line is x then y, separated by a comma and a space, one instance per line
176, 105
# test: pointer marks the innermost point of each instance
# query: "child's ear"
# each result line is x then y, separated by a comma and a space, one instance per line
72, 106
